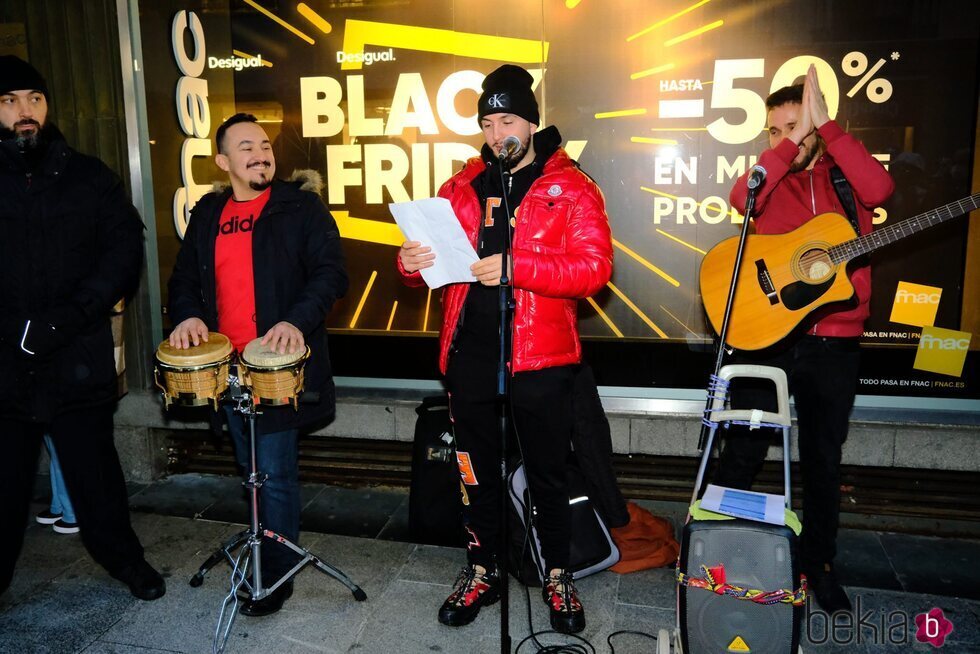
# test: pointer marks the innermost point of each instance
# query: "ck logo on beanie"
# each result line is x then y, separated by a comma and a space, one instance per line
497, 100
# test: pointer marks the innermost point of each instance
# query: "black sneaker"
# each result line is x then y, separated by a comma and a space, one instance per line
823, 586
475, 587
564, 608
269, 604
47, 518
63, 527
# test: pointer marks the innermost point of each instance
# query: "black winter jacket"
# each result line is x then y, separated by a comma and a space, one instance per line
71, 246
299, 272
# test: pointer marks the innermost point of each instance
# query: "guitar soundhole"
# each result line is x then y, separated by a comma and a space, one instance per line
815, 266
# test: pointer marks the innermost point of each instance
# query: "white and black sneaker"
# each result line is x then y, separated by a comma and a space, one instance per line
63, 527
47, 518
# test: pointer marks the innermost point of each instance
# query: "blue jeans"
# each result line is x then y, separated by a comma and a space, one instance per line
60, 502
277, 455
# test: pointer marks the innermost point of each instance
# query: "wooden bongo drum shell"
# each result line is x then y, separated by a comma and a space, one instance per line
274, 379
194, 376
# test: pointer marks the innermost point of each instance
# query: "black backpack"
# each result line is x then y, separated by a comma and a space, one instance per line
434, 507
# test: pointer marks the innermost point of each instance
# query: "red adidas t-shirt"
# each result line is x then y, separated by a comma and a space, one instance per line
234, 280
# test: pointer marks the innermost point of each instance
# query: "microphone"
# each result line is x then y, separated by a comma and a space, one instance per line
757, 175
511, 145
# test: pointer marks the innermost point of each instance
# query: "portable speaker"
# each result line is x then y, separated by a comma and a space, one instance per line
755, 555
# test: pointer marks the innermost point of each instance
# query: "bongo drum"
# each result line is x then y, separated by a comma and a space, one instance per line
194, 376
274, 379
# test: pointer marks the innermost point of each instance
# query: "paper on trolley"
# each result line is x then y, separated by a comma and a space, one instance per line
432, 222
761, 507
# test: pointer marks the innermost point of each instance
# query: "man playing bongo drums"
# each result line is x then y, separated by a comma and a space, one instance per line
263, 259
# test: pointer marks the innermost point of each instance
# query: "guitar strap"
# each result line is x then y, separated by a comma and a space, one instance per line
846, 196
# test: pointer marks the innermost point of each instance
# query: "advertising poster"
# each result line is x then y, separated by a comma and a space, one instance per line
662, 103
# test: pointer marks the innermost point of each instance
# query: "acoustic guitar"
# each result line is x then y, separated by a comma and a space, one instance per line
785, 277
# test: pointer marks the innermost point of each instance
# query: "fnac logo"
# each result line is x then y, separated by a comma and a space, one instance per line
942, 351
915, 304
932, 627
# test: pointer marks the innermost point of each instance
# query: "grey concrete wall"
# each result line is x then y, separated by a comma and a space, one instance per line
885, 444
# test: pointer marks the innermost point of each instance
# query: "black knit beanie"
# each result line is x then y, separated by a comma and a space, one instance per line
18, 75
507, 90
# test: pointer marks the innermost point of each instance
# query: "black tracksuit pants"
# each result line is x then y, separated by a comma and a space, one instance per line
542, 416
93, 476
822, 374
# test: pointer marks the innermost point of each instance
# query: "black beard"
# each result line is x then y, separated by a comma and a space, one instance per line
811, 154
25, 142
260, 186
515, 158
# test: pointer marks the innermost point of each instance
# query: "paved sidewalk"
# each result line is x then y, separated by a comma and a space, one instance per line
61, 601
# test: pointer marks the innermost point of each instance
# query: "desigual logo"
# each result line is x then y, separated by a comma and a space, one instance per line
916, 298
236, 225
366, 58
238, 63
928, 342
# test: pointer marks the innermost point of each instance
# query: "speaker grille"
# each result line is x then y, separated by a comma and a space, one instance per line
755, 556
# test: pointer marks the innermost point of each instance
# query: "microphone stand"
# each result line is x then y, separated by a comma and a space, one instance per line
723, 332
505, 306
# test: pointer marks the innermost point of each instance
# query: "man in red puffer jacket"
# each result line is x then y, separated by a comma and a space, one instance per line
821, 359
561, 251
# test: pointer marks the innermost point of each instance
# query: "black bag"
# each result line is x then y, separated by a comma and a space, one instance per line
434, 507
591, 548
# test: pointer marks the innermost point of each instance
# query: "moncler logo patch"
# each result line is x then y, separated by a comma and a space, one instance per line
554, 191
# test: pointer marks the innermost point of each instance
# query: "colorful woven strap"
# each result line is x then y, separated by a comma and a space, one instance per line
714, 580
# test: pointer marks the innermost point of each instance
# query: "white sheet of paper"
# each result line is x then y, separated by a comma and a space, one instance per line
433, 222
761, 507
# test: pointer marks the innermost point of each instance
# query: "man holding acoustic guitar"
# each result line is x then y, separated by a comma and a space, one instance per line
808, 151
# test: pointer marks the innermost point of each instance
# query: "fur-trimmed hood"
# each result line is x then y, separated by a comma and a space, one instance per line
307, 179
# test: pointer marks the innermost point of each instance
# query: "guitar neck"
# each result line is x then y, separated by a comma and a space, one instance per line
870, 242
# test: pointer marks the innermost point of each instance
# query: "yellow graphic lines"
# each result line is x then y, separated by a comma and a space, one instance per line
647, 30
605, 318
358, 33
391, 318
571, 4
316, 19
372, 231
684, 243
732, 212
621, 113
262, 10
670, 280
364, 296
636, 310
425, 317
690, 35
654, 141
574, 149
652, 71
245, 55
679, 321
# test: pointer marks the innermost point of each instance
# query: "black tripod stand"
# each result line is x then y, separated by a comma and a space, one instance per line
251, 540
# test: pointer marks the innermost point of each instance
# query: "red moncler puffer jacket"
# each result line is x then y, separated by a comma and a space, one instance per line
562, 252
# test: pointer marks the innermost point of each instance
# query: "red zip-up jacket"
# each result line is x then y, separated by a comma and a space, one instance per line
562, 251
788, 200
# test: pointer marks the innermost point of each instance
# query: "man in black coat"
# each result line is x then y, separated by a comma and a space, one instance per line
71, 245
263, 258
